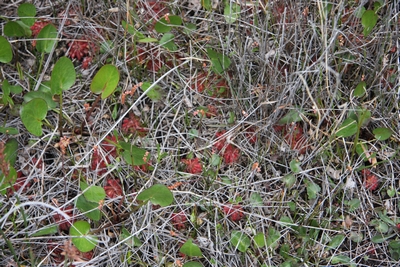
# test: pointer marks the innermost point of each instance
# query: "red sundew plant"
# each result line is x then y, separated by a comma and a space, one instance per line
63, 224
231, 154
132, 125
179, 220
219, 145
234, 212
99, 160
193, 166
18, 184
371, 182
214, 85
80, 48
294, 136
113, 188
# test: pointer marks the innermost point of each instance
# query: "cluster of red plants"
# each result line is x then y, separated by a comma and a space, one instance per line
101, 160
193, 166
230, 153
63, 223
179, 220
214, 85
113, 188
132, 125
371, 182
294, 136
234, 212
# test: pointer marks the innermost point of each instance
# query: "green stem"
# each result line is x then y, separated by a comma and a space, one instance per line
40, 66
60, 117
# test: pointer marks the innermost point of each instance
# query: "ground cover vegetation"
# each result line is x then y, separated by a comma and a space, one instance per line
199, 133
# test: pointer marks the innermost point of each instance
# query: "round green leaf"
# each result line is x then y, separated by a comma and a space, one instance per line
368, 21
81, 238
219, 62
231, 12
95, 193
32, 114
360, 89
240, 241
382, 134
336, 241
5, 50
105, 81
46, 39
259, 240
13, 29
193, 264
90, 209
8, 130
190, 249
167, 41
63, 76
348, 128
158, 194
256, 200
289, 180
27, 13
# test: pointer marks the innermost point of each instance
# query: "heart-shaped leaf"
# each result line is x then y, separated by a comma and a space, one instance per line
360, 89
240, 241
81, 238
94, 193
63, 76
5, 50
190, 249
47, 38
32, 114
89, 208
105, 81
158, 194
163, 26
368, 21
382, 134
27, 13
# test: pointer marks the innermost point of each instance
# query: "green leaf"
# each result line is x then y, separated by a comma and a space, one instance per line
380, 238
154, 93
193, 133
32, 114
348, 128
368, 21
11, 151
256, 200
48, 230
273, 238
312, 189
90, 209
289, 180
5, 50
206, 4
356, 236
8, 130
63, 76
46, 39
231, 12
27, 13
259, 240
167, 41
148, 40
94, 193
340, 259
163, 26
292, 116
14, 29
190, 249
215, 159
130, 240
295, 166
361, 89
382, 134
363, 115
240, 241
359, 12
7, 181
105, 81
219, 62
81, 238
336, 241
193, 264
133, 155
45, 95
158, 194
129, 28
353, 204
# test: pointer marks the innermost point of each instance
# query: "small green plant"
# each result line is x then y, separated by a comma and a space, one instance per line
190, 249
81, 237
157, 194
219, 62
91, 200
5, 50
